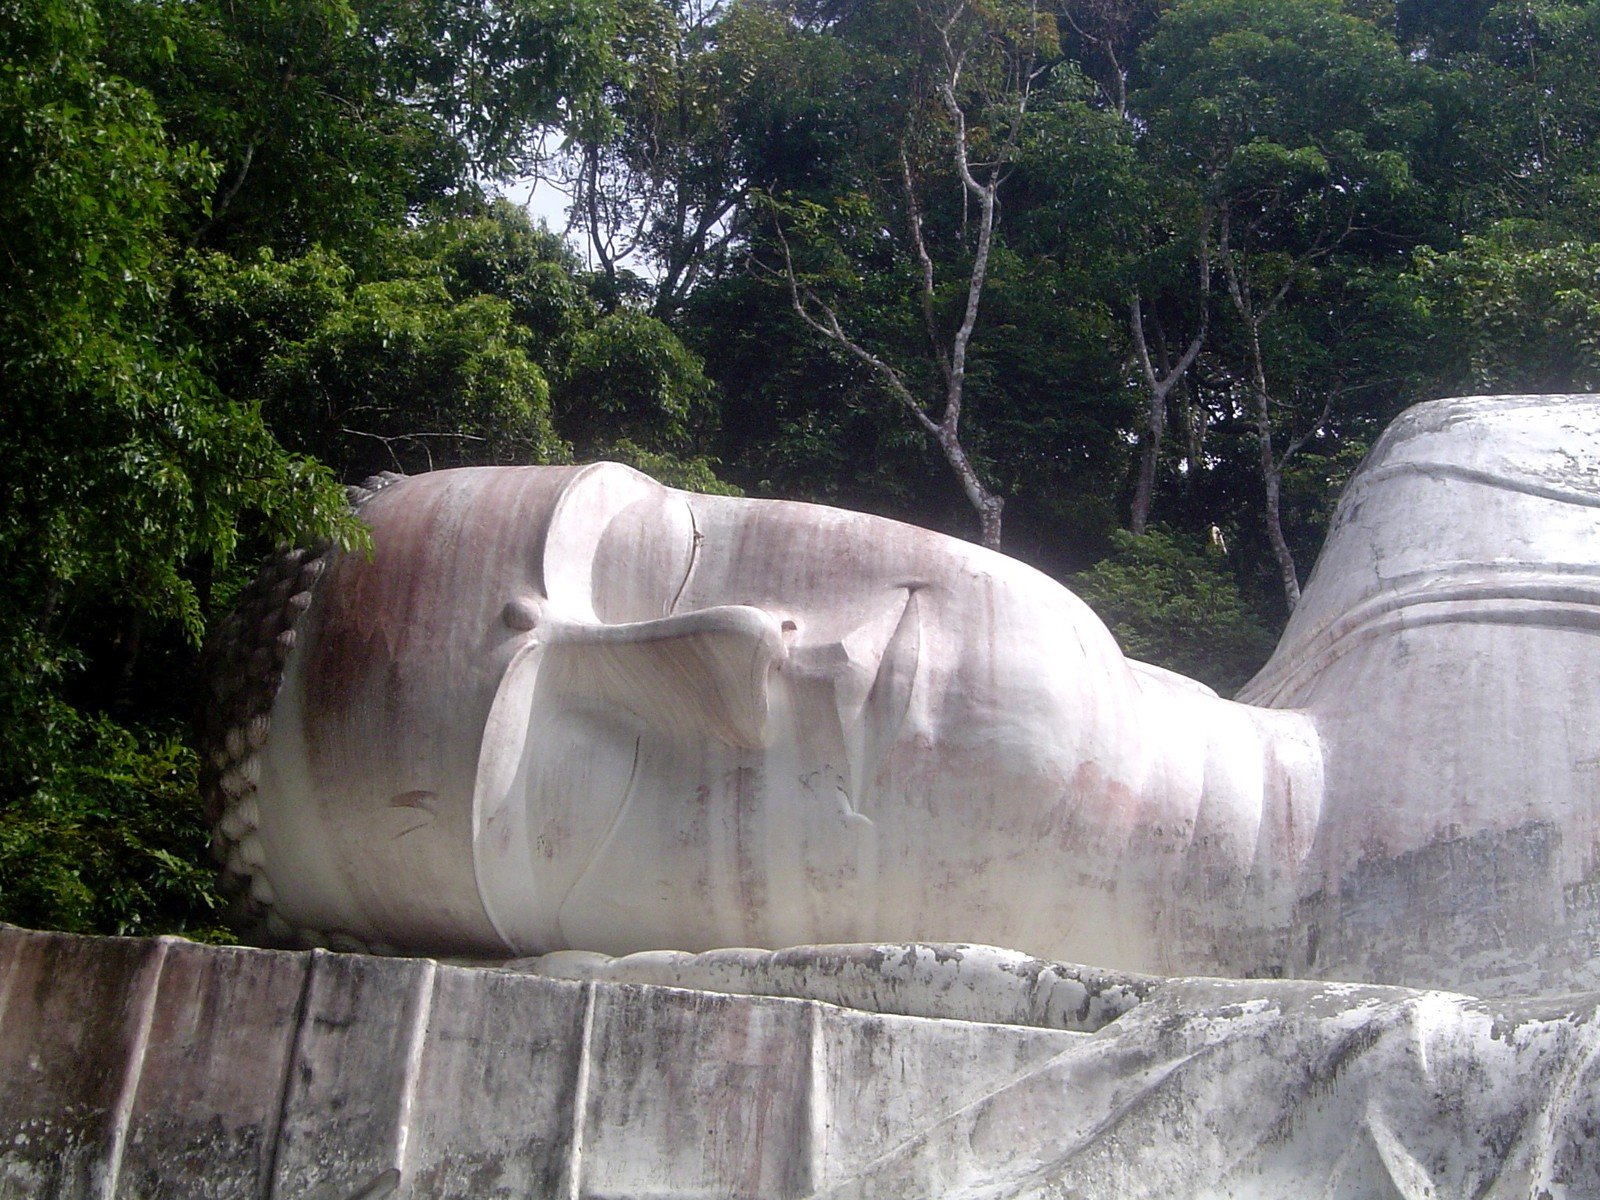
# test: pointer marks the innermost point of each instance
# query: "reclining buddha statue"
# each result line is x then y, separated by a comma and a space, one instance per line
571, 708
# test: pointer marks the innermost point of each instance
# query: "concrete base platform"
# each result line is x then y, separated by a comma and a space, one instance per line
164, 1069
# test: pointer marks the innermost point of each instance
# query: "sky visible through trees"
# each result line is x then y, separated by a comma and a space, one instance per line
1124, 287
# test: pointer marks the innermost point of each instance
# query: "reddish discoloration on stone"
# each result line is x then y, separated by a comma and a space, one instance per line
946, 742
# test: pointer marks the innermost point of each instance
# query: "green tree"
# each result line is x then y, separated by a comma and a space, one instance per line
471, 340
1516, 309
392, 374
1295, 121
275, 168
709, 103
1534, 104
331, 120
1511, 298
622, 383
963, 104
1177, 604
129, 476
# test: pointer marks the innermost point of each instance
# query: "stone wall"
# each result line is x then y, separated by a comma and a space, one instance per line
164, 1069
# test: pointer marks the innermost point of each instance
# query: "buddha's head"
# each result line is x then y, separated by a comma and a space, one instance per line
570, 707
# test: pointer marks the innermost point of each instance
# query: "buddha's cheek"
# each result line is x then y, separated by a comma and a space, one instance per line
998, 803
1017, 846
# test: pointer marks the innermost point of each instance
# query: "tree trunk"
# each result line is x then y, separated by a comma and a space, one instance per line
1192, 423
1271, 476
1144, 487
130, 640
989, 522
985, 503
1252, 316
1160, 383
952, 361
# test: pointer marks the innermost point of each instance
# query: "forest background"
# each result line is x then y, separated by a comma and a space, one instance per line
1124, 287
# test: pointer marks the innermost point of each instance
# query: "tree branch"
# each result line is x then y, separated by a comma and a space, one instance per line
925, 262
1315, 428
232, 190
802, 299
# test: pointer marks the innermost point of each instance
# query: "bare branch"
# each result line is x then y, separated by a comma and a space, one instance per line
803, 300
924, 261
969, 320
987, 194
1315, 428
232, 190
1011, 83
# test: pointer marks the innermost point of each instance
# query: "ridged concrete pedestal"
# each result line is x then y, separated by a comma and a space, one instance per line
166, 1069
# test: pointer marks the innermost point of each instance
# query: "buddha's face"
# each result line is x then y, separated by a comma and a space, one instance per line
736, 721
571, 708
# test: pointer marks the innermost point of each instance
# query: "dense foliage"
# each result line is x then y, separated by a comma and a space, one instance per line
1145, 275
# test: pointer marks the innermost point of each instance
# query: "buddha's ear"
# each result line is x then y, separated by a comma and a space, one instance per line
687, 680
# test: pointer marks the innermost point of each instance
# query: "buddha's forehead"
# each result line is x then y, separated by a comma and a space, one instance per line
642, 551
788, 552
840, 574
609, 543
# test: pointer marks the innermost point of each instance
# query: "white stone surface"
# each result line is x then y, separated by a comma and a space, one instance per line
565, 713
165, 1069
946, 982
522, 726
1446, 649
570, 709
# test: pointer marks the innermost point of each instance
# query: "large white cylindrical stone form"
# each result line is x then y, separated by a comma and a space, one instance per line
570, 708
1448, 650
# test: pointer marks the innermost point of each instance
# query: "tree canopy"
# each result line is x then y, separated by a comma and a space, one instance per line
1145, 275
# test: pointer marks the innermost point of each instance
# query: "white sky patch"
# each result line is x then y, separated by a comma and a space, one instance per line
544, 202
